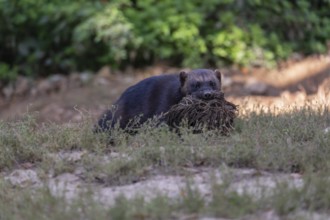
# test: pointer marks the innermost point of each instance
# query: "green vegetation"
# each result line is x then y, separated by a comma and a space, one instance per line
41, 37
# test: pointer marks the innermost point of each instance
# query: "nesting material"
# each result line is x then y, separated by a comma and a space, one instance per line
214, 114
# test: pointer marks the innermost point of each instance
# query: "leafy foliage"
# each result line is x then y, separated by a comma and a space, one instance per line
108, 28
39, 37
36, 36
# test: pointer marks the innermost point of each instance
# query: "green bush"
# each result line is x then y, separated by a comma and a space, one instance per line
109, 29
36, 37
39, 37
169, 30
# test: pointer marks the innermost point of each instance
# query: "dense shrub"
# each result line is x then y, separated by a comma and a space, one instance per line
40, 37
111, 31
36, 36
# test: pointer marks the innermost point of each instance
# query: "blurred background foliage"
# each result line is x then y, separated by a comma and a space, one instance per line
39, 37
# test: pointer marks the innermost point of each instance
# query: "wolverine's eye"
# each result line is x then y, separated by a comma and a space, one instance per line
212, 83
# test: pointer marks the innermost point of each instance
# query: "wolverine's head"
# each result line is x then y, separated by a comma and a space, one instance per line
201, 83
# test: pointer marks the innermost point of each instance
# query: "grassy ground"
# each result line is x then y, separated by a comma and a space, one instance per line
290, 141
285, 202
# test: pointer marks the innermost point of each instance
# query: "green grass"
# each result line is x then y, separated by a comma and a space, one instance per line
291, 141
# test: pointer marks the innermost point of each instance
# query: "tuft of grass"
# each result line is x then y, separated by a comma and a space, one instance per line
230, 204
191, 200
313, 196
19, 143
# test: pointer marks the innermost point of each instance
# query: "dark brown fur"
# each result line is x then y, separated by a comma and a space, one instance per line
156, 95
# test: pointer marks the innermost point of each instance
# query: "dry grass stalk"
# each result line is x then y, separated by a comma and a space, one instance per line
213, 114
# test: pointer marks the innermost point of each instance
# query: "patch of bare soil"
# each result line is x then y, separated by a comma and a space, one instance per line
254, 182
251, 182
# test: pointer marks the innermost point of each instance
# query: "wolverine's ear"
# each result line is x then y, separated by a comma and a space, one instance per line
183, 77
218, 75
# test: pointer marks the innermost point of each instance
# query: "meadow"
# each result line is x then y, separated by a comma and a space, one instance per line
274, 165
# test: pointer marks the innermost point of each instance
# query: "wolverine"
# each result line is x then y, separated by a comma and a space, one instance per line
155, 96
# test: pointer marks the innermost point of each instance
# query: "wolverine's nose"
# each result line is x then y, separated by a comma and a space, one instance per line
208, 95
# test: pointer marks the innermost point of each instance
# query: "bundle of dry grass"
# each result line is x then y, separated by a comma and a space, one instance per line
216, 113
